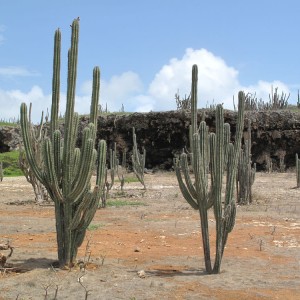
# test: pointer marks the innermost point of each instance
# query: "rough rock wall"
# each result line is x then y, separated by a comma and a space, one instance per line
165, 134
9, 138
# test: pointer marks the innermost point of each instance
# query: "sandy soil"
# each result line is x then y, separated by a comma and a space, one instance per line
151, 249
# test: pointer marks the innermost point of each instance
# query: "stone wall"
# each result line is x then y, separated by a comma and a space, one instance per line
9, 138
165, 134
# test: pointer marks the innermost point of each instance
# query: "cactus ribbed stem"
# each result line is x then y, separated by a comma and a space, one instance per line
55, 82
67, 170
245, 172
1, 171
222, 155
138, 160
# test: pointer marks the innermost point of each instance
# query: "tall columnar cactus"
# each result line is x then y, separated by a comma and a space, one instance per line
138, 160
246, 172
198, 192
298, 170
67, 170
1, 171
113, 161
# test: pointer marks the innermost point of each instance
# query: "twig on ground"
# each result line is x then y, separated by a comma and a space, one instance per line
87, 292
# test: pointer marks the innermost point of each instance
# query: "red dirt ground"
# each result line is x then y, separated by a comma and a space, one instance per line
151, 247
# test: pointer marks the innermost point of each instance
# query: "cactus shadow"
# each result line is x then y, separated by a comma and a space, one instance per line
175, 272
34, 263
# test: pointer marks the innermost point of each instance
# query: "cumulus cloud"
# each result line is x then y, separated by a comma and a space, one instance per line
216, 80
217, 83
118, 90
11, 100
263, 89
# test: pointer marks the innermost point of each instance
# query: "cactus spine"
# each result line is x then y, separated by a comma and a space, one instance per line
67, 170
138, 160
200, 194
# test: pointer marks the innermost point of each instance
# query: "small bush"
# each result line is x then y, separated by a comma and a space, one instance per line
10, 164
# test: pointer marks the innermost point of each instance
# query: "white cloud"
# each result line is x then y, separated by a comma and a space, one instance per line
10, 102
120, 89
217, 82
16, 71
263, 89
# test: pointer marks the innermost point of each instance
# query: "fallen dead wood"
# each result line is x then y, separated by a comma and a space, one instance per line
9, 269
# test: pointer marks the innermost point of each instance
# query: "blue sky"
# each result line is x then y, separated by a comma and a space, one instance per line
145, 50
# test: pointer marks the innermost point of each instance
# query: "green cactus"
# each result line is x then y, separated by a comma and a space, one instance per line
245, 173
298, 170
1, 171
37, 137
113, 161
138, 160
67, 170
121, 170
198, 192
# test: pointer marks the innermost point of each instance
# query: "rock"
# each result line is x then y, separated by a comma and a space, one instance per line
165, 134
10, 138
141, 274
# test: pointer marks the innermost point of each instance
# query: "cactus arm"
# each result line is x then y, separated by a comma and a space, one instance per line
85, 170
77, 154
82, 211
237, 147
199, 171
138, 160
51, 183
185, 188
194, 95
100, 179
55, 82
95, 97
69, 116
56, 142
187, 177
226, 142
25, 129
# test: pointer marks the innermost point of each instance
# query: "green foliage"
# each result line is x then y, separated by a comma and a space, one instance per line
94, 226
121, 203
10, 162
129, 179
4, 123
